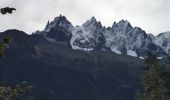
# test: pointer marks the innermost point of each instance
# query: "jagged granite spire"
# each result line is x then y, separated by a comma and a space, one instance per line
58, 30
121, 38
47, 26
89, 36
121, 26
60, 21
92, 25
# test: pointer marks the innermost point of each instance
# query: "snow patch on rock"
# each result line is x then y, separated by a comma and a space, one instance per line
116, 51
131, 53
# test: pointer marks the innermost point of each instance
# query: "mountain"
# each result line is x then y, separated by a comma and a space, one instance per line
121, 38
124, 39
88, 62
163, 40
60, 73
89, 36
58, 30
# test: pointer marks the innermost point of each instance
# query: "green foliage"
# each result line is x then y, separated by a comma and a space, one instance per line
3, 45
155, 82
139, 96
9, 93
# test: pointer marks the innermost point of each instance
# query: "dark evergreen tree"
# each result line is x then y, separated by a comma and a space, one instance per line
11, 93
155, 82
3, 45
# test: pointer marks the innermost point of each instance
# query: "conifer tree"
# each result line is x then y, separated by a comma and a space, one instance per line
156, 84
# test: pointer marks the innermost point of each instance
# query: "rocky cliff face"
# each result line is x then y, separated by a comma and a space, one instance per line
121, 38
59, 30
163, 40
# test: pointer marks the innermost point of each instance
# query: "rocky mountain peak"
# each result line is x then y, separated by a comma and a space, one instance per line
93, 19
58, 30
124, 23
58, 22
92, 24
163, 40
121, 26
121, 38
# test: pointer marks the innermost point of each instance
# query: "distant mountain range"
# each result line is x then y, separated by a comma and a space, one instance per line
121, 38
88, 62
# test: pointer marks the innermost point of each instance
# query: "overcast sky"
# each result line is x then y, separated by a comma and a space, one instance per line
151, 15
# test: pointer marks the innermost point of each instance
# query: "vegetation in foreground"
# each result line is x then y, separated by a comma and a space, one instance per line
156, 82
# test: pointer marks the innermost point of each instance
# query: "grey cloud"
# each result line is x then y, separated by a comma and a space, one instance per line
151, 15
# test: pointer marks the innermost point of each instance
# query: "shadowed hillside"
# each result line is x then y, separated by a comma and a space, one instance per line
60, 73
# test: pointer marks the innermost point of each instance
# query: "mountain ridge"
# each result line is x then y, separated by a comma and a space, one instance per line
121, 37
